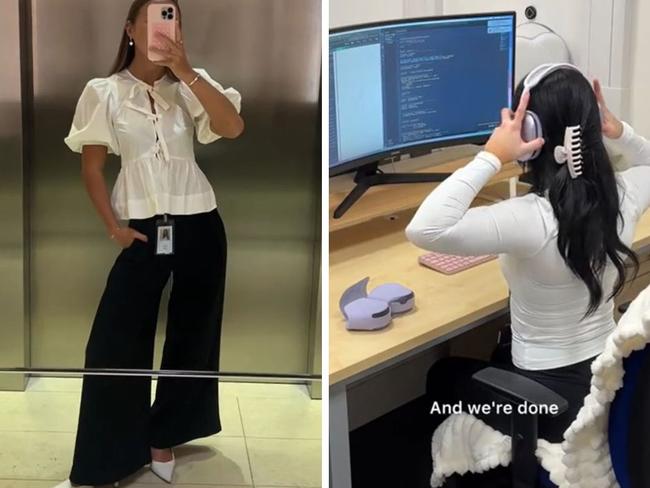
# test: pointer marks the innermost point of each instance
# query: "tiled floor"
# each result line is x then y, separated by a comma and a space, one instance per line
271, 438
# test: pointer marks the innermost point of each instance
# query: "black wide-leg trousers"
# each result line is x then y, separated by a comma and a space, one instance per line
117, 423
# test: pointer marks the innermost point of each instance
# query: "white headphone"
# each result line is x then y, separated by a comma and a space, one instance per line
531, 127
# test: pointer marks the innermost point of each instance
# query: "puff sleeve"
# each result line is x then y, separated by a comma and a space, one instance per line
201, 118
92, 123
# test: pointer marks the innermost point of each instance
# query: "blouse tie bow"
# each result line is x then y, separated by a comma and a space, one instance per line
155, 117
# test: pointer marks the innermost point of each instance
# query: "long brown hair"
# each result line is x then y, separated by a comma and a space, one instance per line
126, 53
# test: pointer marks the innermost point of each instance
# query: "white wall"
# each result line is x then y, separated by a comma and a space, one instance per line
639, 69
348, 12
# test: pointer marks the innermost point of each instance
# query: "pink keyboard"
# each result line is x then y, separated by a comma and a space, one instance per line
450, 264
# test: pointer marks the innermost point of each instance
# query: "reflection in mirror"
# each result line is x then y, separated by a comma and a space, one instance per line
160, 213
251, 202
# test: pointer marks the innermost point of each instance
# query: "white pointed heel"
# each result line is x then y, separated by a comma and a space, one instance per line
164, 470
65, 484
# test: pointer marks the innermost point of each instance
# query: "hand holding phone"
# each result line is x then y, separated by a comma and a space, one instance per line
161, 18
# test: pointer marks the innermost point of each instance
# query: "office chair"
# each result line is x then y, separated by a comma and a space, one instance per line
628, 429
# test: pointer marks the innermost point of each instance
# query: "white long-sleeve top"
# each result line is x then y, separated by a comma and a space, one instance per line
547, 301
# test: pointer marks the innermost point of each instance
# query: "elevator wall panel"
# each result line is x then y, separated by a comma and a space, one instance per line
14, 323
264, 181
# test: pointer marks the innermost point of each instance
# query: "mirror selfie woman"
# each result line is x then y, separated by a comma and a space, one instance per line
563, 247
147, 112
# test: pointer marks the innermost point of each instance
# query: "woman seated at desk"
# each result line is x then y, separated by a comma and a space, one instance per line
562, 246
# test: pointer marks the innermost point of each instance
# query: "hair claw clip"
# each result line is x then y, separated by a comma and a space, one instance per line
571, 152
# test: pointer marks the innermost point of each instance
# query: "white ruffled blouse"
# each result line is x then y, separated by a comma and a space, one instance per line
159, 173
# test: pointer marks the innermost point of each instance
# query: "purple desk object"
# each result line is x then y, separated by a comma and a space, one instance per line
400, 298
373, 311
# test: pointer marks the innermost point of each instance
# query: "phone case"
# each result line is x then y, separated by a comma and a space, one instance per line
161, 17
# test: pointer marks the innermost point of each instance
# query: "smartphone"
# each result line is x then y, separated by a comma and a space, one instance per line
161, 17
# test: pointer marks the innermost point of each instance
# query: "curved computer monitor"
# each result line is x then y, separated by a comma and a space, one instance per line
409, 85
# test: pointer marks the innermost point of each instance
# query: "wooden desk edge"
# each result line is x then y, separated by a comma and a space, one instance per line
348, 373
438, 334
509, 170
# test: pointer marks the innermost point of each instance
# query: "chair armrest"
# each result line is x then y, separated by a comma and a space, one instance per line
519, 390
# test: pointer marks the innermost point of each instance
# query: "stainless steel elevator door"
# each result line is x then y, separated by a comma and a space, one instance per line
265, 181
14, 340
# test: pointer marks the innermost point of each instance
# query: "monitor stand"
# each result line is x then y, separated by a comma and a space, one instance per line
370, 175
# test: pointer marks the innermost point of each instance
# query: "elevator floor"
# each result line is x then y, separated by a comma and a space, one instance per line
271, 438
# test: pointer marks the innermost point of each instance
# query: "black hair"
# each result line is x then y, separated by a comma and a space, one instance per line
587, 208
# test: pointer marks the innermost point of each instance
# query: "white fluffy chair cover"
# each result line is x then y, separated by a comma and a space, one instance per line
463, 443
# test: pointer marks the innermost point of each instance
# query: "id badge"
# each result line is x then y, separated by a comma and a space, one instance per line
164, 236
